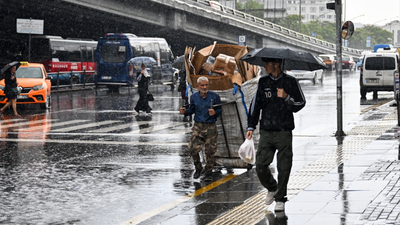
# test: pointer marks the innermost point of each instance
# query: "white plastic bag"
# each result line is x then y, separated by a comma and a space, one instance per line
247, 152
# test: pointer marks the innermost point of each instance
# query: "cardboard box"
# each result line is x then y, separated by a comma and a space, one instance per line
195, 61
225, 63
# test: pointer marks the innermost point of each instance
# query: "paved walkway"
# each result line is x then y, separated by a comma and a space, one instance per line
349, 181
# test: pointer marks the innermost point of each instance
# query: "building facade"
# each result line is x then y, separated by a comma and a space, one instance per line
311, 10
394, 28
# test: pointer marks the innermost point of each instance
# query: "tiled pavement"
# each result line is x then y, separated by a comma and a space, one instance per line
350, 181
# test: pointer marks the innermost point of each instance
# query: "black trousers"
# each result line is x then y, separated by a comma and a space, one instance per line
269, 143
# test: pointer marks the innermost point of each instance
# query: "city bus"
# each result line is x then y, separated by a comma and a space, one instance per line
115, 50
63, 55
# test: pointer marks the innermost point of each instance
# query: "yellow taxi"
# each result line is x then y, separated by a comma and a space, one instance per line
35, 83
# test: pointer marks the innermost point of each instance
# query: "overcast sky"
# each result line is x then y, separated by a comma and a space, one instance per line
378, 12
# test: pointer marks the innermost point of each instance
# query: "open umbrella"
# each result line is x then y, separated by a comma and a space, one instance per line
291, 59
148, 61
8, 66
179, 62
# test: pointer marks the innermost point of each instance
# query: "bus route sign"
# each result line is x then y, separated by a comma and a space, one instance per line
29, 26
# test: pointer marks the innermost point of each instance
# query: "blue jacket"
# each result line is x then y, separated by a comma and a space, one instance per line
200, 107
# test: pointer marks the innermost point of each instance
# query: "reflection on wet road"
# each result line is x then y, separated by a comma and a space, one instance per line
92, 160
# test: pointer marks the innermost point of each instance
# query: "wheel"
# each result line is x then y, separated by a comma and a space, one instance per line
113, 88
74, 80
249, 167
363, 93
47, 104
375, 95
314, 80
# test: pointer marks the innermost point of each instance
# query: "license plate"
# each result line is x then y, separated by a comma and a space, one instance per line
298, 75
106, 77
22, 97
372, 80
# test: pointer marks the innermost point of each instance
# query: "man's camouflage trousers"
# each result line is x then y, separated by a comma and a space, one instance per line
204, 134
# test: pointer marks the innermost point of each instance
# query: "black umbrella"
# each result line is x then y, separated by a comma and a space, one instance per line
179, 63
8, 66
292, 59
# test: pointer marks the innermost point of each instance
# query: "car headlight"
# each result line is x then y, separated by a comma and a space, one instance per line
2, 87
38, 87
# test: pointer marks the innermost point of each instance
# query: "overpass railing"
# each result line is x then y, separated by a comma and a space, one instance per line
275, 27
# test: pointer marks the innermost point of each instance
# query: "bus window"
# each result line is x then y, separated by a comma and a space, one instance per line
113, 53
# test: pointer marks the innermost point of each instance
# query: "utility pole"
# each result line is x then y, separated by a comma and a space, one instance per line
337, 6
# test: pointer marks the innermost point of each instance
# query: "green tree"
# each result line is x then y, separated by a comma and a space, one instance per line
251, 7
324, 30
377, 35
292, 22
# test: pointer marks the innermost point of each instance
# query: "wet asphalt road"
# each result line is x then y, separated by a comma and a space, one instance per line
92, 160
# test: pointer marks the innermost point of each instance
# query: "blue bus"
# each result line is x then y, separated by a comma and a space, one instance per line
115, 50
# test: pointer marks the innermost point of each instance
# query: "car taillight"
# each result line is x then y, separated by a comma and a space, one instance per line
361, 76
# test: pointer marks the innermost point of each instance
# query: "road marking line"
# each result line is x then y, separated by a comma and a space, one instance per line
144, 216
96, 124
95, 142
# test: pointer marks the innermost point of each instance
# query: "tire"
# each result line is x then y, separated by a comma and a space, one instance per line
47, 104
375, 95
74, 80
113, 88
321, 80
314, 80
363, 93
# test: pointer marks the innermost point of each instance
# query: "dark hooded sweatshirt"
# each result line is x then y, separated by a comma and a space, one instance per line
277, 113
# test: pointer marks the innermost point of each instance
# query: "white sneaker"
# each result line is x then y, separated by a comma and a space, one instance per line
269, 199
280, 206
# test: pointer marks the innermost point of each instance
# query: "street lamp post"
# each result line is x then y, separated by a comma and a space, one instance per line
357, 17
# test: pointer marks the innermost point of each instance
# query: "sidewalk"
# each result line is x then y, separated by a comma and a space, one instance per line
350, 181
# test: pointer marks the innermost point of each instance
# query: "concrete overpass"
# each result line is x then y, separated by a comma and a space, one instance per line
182, 23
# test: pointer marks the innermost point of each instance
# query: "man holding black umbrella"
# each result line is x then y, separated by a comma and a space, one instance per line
278, 96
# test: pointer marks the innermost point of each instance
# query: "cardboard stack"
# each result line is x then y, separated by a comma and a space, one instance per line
221, 64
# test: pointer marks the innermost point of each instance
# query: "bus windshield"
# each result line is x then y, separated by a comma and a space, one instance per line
113, 53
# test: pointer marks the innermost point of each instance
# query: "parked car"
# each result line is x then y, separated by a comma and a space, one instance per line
377, 73
307, 75
348, 63
329, 60
35, 83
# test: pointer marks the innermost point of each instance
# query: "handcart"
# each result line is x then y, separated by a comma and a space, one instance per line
236, 90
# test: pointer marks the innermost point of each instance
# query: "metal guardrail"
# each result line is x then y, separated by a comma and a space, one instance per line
85, 76
274, 27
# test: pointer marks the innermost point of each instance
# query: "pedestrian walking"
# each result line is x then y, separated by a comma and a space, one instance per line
10, 90
205, 131
278, 96
182, 89
143, 78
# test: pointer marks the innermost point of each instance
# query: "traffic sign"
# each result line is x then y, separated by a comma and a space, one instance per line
242, 40
29, 26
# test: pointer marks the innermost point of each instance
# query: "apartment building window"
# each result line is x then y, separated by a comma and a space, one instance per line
329, 16
312, 17
313, 9
303, 9
321, 9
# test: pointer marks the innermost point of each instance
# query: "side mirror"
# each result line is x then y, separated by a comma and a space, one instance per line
347, 30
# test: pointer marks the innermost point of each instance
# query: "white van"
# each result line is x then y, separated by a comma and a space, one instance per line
377, 73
